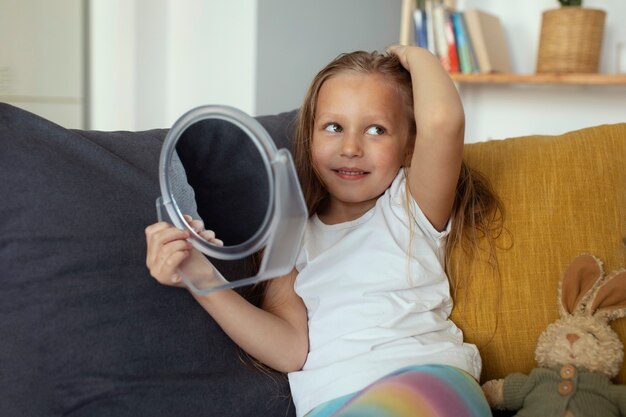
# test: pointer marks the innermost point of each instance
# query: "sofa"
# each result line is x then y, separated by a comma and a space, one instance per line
85, 330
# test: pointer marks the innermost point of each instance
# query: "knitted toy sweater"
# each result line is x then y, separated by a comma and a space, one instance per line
550, 392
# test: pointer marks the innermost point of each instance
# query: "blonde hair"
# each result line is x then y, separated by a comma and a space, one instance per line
477, 212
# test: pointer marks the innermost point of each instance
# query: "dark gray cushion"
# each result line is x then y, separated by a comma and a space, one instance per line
84, 329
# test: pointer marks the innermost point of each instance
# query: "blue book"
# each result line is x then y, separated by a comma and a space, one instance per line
472, 52
463, 44
421, 36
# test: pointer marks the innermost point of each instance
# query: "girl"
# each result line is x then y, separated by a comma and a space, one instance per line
362, 322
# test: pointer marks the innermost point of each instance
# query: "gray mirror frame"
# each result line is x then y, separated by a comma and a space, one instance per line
267, 150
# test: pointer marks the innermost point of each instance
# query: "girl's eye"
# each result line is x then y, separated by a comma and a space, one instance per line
333, 128
375, 130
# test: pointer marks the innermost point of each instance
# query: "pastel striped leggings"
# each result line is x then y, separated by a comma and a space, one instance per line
415, 391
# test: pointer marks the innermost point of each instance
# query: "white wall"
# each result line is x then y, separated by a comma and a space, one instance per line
212, 55
112, 65
499, 111
297, 38
41, 58
152, 60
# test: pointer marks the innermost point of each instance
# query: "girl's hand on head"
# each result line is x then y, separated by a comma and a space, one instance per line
400, 51
408, 54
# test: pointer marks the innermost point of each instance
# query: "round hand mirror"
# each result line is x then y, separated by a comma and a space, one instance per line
220, 166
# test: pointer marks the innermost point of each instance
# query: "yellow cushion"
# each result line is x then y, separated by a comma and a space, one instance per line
564, 195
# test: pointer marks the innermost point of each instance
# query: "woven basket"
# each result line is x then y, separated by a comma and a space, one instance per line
570, 40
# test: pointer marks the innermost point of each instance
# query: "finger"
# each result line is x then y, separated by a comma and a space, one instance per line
177, 279
401, 52
168, 259
168, 234
197, 225
156, 227
151, 232
167, 272
158, 240
164, 231
397, 49
207, 234
210, 236
157, 256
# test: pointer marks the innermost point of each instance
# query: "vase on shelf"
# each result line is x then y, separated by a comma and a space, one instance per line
571, 40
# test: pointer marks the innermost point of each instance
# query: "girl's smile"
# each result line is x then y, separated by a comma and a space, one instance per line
351, 174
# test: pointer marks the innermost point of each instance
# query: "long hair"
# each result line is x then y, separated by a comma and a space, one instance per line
477, 212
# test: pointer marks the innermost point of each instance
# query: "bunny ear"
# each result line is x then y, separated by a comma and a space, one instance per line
578, 281
609, 302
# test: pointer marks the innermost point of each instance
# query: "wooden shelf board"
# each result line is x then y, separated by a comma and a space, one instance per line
544, 78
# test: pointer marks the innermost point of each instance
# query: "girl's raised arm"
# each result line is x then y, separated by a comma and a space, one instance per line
440, 128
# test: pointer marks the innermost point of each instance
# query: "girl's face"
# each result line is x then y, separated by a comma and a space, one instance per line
359, 141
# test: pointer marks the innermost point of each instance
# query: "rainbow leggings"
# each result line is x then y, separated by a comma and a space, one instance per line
415, 391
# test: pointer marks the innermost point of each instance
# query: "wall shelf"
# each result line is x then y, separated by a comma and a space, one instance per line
546, 78
498, 105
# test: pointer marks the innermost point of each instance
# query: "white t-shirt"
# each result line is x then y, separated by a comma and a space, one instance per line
372, 308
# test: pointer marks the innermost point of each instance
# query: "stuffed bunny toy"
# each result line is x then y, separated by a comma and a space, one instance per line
577, 355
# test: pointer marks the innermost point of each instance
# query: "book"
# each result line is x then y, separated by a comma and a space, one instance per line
488, 40
462, 43
451, 40
470, 47
439, 30
430, 30
419, 21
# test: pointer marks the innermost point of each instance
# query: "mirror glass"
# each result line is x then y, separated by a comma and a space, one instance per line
217, 174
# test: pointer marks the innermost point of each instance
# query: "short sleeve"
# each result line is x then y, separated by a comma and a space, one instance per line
425, 224
399, 191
